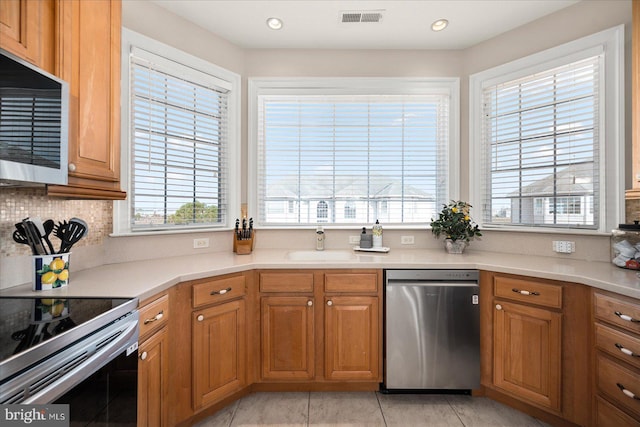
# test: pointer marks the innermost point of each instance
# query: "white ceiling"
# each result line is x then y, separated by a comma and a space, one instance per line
405, 23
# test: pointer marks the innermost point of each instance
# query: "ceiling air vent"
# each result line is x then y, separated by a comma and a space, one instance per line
361, 16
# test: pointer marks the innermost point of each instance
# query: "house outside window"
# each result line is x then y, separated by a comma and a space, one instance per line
179, 142
370, 149
349, 210
548, 130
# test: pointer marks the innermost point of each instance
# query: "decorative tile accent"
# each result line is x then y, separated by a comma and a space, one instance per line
19, 203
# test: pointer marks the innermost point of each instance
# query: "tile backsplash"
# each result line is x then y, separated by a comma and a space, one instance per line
19, 203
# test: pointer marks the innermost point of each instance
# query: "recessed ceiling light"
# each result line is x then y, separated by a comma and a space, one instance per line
274, 23
439, 25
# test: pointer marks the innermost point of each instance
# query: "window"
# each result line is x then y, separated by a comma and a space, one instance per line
350, 210
542, 124
181, 138
353, 150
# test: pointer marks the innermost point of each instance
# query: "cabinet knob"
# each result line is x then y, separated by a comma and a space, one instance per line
329, 303
498, 307
309, 303
72, 167
200, 318
143, 355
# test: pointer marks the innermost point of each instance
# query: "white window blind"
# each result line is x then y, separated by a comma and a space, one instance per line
345, 159
541, 148
179, 133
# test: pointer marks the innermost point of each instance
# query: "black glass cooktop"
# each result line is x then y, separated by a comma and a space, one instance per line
27, 322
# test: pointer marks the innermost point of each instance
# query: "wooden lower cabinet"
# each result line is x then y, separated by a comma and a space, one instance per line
352, 347
153, 374
219, 352
526, 358
288, 337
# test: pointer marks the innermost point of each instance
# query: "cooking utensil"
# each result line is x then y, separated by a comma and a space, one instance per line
70, 233
34, 237
48, 228
83, 222
18, 237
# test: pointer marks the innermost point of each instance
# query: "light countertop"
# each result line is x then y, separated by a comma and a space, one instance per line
143, 279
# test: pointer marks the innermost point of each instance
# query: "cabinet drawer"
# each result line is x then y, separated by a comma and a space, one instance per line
286, 282
619, 383
608, 415
212, 291
351, 282
154, 315
528, 291
619, 312
618, 344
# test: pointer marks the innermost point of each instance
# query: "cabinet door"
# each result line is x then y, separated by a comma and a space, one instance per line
219, 352
90, 62
153, 376
287, 338
352, 344
21, 28
527, 353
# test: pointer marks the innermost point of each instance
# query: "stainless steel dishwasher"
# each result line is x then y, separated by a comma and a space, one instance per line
432, 330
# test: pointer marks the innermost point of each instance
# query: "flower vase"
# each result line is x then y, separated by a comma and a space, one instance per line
455, 247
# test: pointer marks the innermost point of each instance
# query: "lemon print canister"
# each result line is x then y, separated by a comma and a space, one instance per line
50, 271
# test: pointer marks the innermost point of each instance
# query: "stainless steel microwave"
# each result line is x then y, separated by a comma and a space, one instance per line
34, 124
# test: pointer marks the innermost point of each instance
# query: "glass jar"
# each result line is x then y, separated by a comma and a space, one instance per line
625, 246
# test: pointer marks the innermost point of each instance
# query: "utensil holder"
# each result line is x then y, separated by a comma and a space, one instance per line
50, 271
243, 246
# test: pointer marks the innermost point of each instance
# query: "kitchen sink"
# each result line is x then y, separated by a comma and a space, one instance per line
336, 255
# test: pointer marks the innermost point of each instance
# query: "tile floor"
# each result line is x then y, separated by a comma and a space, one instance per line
367, 409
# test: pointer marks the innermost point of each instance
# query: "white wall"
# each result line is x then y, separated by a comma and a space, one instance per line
582, 19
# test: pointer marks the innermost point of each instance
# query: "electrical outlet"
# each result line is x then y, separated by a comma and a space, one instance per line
564, 246
407, 240
201, 243
354, 240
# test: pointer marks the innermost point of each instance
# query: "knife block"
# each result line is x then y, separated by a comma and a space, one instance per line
245, 246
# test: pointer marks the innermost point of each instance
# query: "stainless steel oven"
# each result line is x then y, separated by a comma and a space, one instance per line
76, 351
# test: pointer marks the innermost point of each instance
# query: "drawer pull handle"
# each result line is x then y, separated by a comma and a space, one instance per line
626, 317
626, 392
626, 350
523, 292
221, 291
154, 318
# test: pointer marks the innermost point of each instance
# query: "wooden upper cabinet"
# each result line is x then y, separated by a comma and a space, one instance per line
27, 30
634, 192
89, 60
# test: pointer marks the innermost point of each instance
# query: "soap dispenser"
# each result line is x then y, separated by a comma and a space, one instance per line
377, 235
319, 239
365, 239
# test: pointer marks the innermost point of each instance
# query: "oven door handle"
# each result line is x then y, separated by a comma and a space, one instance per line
49, 380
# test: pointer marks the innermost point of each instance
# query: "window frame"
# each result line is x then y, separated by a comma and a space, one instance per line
349, 86
611, 198
122, 209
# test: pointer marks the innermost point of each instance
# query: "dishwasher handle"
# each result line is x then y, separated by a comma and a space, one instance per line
432, 283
